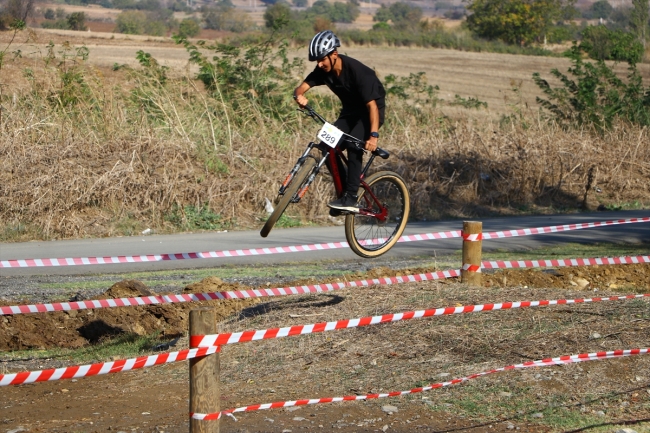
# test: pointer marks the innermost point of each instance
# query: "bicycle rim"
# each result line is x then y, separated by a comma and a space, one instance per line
370, 236
295, 185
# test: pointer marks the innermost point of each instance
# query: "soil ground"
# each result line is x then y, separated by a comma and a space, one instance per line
381, 358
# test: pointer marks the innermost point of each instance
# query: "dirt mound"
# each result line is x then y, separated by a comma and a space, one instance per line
627, 278
78, 328
128, 289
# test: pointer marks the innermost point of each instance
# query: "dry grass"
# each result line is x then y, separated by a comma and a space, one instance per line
115, 163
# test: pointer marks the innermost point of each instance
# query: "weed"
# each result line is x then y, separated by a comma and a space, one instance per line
193, 218
471, 102
286, 221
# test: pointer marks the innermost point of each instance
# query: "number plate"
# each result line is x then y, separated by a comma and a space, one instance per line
330, 134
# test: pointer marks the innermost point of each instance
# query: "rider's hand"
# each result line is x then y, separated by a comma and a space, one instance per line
301, 100
371, 144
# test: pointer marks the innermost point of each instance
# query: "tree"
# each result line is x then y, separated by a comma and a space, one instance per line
188, 28
131, 22
49, 14
14, 11
513, 21
277, 15
604, 44
620, 19
405, 16
600, 9
402, 15
383, 14
322, 23
226, 17
77, 21
639, 20
337, 12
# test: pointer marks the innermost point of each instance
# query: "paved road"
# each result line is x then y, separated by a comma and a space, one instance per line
159, 244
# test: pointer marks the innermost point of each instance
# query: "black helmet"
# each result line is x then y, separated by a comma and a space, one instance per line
323, 44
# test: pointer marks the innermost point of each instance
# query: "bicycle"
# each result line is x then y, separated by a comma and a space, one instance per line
383, 197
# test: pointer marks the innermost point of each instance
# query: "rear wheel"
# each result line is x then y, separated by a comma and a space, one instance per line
295, 185
384, 212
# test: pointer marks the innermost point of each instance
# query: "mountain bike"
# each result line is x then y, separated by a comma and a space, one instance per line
383, 197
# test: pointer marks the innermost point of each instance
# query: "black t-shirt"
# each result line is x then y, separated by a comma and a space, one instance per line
356, 86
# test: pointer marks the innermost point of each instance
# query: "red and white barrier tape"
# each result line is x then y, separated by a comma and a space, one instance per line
500, 264
472, 237
104, 367
561, 228
267, 334
207, 344
569, 359
471, 268
81, 261
317, 288
237, 294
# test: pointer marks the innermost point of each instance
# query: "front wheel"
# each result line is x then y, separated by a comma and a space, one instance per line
385, 207
296, 183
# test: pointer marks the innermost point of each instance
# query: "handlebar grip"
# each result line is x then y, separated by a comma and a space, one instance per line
306, 107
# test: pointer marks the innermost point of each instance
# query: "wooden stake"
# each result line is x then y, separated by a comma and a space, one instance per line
471, 253
204, 374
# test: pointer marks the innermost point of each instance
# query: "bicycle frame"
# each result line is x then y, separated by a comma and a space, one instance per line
331, 154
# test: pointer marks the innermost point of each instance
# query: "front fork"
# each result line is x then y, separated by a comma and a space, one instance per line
295, 169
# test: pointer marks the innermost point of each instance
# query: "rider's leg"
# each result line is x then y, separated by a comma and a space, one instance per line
358, 128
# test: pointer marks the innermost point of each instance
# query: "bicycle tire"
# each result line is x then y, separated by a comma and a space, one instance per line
368, 236
296, 183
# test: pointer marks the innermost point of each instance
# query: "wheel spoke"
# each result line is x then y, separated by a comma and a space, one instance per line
386, 204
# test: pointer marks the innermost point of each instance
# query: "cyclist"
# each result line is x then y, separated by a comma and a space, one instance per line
363, 104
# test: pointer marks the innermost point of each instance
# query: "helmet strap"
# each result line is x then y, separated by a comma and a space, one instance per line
329, 56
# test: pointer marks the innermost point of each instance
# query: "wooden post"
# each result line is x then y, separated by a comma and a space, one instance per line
204, 374
472, 245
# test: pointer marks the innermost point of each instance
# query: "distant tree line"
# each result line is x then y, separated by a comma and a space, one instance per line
619, 34
604, 32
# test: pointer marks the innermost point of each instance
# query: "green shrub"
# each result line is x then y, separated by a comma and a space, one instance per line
58, 24
402, 15
77, 21
337, 12
131, 22
599, 9
243, 75
277, 16
604, 44
188, 28
228, 19
595, 97
154, 23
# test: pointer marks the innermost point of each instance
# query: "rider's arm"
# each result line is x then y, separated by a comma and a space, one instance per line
373, 112
299, 93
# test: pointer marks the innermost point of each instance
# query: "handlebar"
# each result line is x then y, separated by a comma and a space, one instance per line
308, 111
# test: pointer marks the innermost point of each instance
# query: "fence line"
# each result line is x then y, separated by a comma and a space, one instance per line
207, 344
84, 261
561, 360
